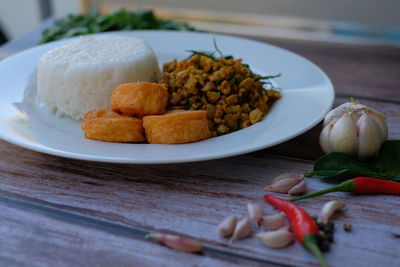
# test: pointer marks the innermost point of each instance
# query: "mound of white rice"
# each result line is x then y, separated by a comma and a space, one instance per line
80, 76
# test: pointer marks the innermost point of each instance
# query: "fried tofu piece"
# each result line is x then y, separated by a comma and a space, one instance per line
177, 127
139, 99
106, 125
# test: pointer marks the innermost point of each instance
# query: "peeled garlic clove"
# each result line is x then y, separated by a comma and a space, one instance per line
242, 230
343, 137
273, 222
370, 138
283, 183
298, 189
178, 242
226, 227
255, 213
328, 209
276, 239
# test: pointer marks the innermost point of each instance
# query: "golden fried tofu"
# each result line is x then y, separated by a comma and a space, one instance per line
109, 126
176, 127
139, 99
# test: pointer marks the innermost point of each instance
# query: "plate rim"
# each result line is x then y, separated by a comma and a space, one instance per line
72, 155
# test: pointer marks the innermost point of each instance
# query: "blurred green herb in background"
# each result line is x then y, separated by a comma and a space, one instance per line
74, 25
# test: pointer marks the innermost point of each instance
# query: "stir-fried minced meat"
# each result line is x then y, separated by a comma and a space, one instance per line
232, 95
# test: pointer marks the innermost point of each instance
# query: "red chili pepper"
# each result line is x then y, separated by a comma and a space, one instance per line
361, 186
304, 227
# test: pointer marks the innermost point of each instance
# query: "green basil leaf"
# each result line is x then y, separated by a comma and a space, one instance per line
339, 166
393, 174
389, 157
337, 161
330, 174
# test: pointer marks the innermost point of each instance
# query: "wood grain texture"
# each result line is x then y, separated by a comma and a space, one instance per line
31, 238
191, 199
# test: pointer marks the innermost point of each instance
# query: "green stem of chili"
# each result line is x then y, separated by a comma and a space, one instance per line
360, 185
310, 243
346, 186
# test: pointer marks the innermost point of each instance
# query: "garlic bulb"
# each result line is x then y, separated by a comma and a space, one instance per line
353, 129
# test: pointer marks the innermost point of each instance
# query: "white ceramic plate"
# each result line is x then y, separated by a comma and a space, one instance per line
307, 95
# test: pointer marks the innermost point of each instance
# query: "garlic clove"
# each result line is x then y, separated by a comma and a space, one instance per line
328, 209
242, 230
294, 176
298, 189
255, 213
226, 227
362, 108
357, 110
178, 242
343, 137
276, 239
285, 228
380, 120
336, 113
354, 108
324, 138
274, 222
370, 138
283, 183
281, 186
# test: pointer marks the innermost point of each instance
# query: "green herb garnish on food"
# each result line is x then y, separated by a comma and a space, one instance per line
337, 166
74, 25
268, 77
203, 53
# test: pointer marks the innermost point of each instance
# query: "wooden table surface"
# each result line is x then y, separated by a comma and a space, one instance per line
57, 211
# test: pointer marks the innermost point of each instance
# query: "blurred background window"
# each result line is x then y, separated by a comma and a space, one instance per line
340, 20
